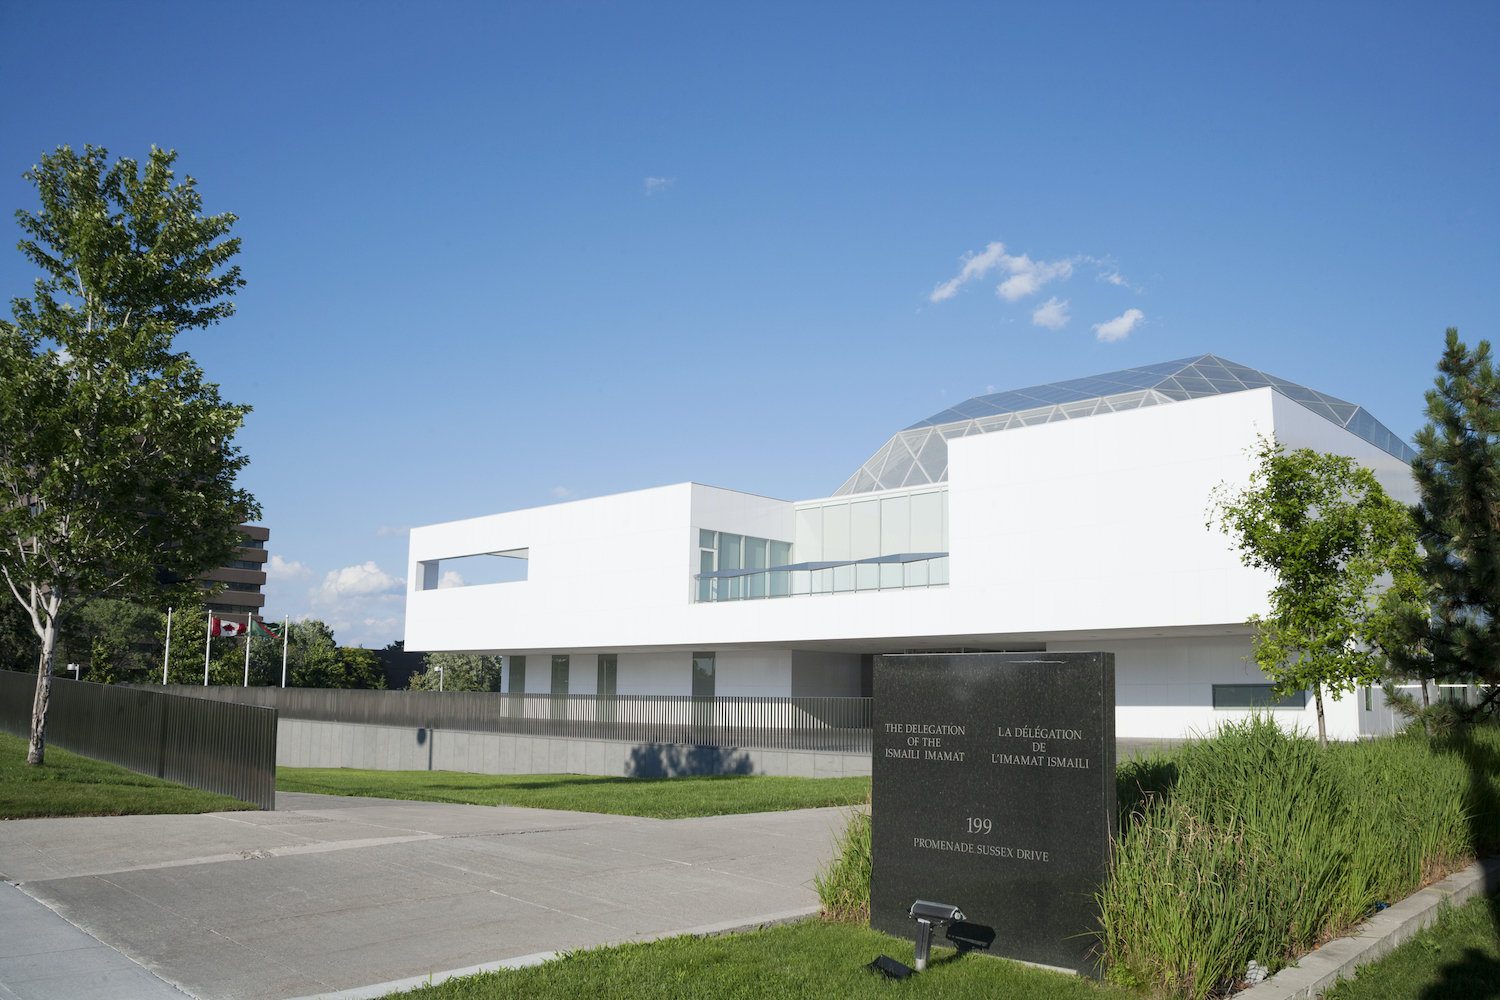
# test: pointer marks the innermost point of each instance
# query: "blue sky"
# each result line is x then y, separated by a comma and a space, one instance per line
505, 255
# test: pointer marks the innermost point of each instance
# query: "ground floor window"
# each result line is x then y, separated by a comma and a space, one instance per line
517, 675
1242, 696
703, 675
609, 668
559, 673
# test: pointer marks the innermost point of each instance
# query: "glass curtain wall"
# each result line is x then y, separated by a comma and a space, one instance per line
842, 546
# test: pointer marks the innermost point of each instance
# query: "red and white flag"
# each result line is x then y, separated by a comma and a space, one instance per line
218, 626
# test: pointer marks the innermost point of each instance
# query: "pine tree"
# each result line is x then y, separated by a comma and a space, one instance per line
1449, 631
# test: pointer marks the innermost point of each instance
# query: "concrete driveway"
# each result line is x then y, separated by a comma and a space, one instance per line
330, 893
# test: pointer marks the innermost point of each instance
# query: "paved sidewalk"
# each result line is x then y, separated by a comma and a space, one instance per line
330, 893
43, 957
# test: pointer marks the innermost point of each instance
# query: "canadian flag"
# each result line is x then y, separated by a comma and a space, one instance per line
218, 626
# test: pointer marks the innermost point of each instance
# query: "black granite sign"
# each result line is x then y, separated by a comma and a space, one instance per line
994, 790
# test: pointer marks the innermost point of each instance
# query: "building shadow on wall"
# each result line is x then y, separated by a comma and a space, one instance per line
660, 760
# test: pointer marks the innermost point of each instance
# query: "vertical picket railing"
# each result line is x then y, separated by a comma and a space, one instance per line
826, 724
212, 744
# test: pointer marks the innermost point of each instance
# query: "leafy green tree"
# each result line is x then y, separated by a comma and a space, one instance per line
115, 457
360, 668
1450, 631
121, 639
19, 646
314, 659
1329, 532
457, 672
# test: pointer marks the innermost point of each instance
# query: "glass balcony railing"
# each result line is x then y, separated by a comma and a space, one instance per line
904, 571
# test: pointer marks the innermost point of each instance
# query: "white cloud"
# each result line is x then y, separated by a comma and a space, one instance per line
279, 569
1052, 314
1027, 276
358, 581
1119, 327
563, 493
451, 579
1114, 278
363, 604
393, 531
656, 184
975, 266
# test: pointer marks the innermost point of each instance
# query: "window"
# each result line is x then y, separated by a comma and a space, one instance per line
559, 673
703, 675
1243, 696
509, 566
253, 588
245, 564
517, 675
608, 671
252, 543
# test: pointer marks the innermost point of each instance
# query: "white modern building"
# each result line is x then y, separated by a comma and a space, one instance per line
1067, 516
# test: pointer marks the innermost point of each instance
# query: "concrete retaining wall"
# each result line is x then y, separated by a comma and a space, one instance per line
304, 743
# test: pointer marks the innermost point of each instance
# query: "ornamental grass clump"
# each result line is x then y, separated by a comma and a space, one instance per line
843, 883
1257, 844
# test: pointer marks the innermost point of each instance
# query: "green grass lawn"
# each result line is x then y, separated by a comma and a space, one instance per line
1458, 958
659, 798
70, 785
810, 959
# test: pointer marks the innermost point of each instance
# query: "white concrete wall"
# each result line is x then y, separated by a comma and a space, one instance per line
752, 672
1085, 524
668, 672
304, 743
1164, 687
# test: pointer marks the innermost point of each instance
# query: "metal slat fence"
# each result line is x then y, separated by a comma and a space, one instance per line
826, 724
205, 743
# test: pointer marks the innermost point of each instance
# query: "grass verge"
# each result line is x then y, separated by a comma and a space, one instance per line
70, 785
658, 798
812, 959
1458, 958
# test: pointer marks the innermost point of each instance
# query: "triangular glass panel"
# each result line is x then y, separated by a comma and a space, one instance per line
1197, 386
916, 476
895, 469
933, 455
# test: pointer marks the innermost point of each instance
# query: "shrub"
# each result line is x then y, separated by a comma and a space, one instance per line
1256, 844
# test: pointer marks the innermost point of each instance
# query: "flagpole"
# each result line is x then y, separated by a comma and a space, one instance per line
284, 634
208, 637
166, 656
249, 634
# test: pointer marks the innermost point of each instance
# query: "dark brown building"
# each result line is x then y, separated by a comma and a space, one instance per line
242, 576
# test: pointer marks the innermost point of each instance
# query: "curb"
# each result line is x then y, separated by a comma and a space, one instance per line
377, 990
1376, 937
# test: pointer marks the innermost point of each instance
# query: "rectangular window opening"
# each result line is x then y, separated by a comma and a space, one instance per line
1252, 696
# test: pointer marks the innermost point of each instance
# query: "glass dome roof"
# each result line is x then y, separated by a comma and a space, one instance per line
919, 454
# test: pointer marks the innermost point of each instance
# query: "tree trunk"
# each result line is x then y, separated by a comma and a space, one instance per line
37, 752
1426, 718
1322, 730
